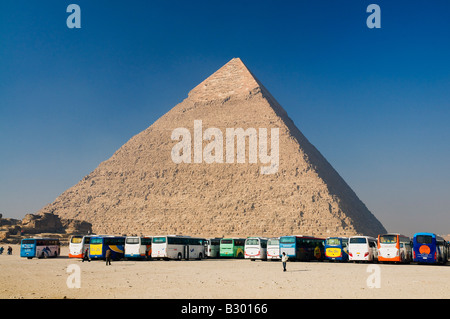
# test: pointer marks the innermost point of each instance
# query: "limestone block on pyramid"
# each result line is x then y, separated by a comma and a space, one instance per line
226, 161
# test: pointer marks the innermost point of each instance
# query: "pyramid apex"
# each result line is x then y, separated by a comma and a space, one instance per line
232, 79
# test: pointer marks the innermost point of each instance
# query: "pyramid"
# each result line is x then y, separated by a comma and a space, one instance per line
185, 174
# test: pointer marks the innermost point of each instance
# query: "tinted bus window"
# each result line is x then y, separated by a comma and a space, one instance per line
214, 241
358, 240
287, 240
252, 242
96, 240
388, 239
76, 240
239, 242
424, 239
132, 241
159, 240
333, 241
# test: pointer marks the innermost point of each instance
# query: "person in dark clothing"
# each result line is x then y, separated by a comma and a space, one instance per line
86, 255
108, 257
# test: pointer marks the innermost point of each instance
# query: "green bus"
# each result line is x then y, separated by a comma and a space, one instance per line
232, 247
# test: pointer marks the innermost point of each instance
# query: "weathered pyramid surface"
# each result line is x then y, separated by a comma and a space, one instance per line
141, 190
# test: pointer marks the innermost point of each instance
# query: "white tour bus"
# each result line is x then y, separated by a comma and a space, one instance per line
139, 247
273, 248
39, 247
255, 248
362, 248
78, 245
394, 248
178, 247
212, 247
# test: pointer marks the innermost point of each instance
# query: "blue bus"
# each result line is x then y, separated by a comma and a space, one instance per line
302, 248
39, 247
100, 244
429, 248
336, 248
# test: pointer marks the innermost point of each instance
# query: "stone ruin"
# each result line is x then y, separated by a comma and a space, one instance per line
41, 225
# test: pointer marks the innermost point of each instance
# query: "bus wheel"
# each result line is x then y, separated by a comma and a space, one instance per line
200, 256
179, 257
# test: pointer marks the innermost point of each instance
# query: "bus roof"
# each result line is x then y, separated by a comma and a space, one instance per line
425, 233
172, 235
393, 234
141, 236
107, 236
40, 238
303, 236
433, 235
362, 236
180, 236
340, 237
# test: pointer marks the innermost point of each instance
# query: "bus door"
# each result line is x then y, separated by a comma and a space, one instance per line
186, 252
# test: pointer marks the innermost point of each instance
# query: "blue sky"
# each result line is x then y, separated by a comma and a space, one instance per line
375, 102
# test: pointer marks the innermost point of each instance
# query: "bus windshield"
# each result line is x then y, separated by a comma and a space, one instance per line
424, 239
333, 242
132, 240
287, 240
28, 241
159, 240
97, 240
76, 240
214, 242
388, 239
358, 241
226, 241
253, 241
273, 242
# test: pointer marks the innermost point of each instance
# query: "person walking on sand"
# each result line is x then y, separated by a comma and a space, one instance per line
108, 257
86, 255
9, 250
284, 259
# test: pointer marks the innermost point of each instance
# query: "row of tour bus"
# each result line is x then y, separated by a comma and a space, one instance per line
421, 248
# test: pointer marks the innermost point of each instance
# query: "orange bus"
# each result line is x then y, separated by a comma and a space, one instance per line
394, 248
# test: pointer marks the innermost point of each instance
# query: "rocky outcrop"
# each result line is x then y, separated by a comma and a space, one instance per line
42, 223
13, 230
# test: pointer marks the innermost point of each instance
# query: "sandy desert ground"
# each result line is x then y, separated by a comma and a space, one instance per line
215, 279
